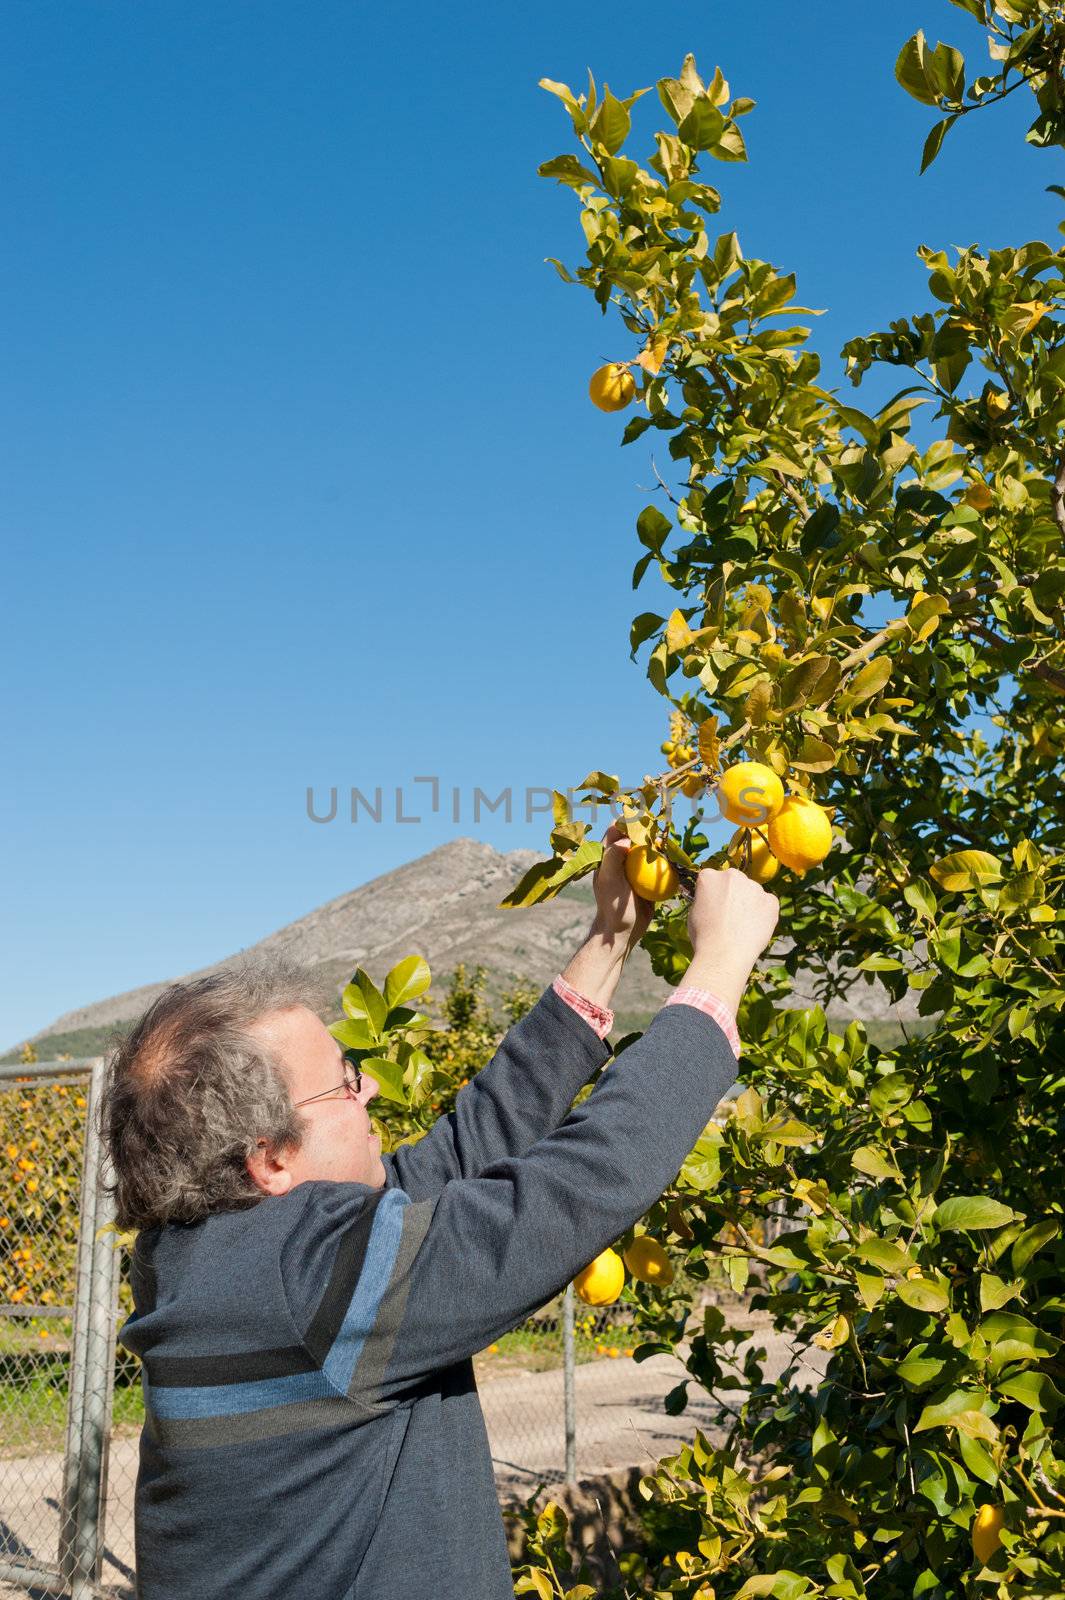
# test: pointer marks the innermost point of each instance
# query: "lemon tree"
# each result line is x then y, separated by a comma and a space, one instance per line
867, 603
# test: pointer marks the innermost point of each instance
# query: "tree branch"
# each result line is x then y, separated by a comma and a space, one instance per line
1038, 669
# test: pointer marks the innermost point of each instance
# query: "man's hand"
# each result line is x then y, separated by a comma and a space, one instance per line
731, 921
621, 920
621, 914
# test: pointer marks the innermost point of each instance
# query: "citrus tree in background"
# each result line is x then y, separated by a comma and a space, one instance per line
853, 587
420, 1059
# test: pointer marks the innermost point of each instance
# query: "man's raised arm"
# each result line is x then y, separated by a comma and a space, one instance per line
442, 1277
545, 1059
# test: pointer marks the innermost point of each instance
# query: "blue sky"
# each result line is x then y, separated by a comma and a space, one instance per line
302, 483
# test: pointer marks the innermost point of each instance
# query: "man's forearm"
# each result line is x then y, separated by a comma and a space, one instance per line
597, 965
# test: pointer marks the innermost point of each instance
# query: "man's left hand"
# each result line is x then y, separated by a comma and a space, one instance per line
620, 912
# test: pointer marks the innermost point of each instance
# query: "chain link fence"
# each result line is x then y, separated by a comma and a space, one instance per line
559, 1392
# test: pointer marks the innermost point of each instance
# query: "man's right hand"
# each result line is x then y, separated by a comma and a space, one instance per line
731, 921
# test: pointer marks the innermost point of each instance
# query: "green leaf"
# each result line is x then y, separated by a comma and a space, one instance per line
938, 1415
1036, 1390
703, 126
676, 1400
545, 878
645, 626
966, 869
653, 529
406, 981
1012, 1337
731, 145
934, 142
888, 1257
871, 1287
869, 1160
354, 1035
923, 1294
974, 1425
388, 1075
995, 1292
568, 170
921, 897
945, 71
891, 1093
702, 1170
814, 679
610, 125
918, 1369
910, 70
564, 274
869, 681
1032, 1240
977, 1459
972, 1214
821, 529
363, 1001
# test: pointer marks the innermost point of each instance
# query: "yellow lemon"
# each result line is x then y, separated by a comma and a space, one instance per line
763, 864
986, 1526
750, 793
602, 1280
612, 387
650, 875
693, 786
800, 834
647, 1261
772, 654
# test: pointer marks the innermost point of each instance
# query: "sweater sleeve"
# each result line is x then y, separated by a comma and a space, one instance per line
523, 1093
423, 1284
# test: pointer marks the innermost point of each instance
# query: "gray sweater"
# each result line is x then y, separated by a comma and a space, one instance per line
313, 1427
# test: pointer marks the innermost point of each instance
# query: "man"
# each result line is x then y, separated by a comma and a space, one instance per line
307, 1309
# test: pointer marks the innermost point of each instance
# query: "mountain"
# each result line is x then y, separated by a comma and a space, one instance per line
445, 907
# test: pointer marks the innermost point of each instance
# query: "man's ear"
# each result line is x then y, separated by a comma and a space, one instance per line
268, 1169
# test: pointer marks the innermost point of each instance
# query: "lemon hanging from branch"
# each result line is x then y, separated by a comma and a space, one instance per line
650, 875
612, 387
602, 1280
749, 851
750, 793
647, 1261
800, 834
986, 1528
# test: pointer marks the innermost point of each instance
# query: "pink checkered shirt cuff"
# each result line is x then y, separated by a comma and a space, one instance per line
703, 1000
597, 1017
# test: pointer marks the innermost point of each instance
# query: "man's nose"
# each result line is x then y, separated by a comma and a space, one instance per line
370, 1089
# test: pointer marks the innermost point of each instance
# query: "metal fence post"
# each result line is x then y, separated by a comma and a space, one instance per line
92, 1367
569, 1364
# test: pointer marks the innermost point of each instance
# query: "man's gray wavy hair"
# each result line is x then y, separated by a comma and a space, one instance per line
190, 1092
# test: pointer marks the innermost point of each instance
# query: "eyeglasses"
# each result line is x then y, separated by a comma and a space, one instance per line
352, 1085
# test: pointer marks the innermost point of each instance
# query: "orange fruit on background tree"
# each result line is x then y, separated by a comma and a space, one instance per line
650, 875
750, 793
612, 387
800, 834
602, 1280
